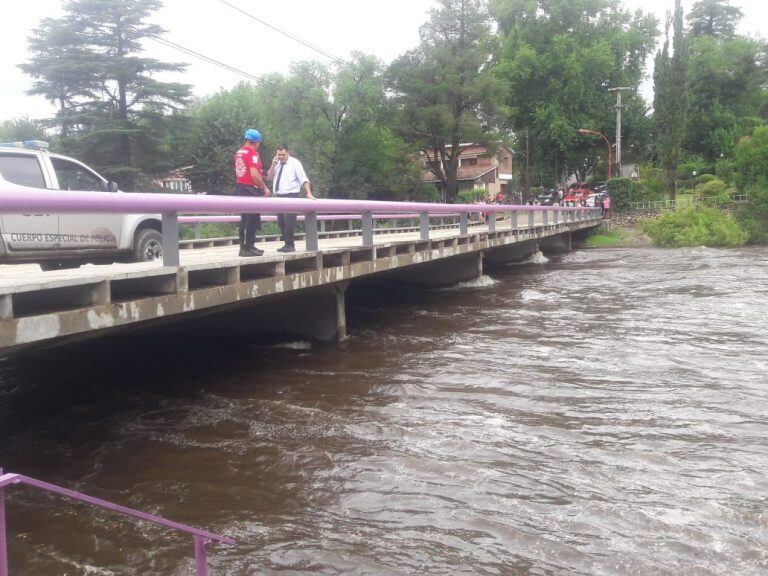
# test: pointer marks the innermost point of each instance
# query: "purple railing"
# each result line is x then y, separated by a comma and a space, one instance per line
16, 201
201, 537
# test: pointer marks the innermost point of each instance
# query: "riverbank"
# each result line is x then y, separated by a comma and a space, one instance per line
629, 237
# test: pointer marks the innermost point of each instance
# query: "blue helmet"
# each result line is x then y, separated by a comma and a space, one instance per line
253, 135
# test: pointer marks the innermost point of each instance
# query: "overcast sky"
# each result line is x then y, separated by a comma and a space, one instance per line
385, 29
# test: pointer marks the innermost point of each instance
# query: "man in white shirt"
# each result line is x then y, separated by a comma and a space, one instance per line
288, 180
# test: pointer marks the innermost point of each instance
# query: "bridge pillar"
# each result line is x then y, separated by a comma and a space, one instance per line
511, 253
440, 273
557, 244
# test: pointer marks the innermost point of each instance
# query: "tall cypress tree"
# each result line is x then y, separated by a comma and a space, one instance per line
110, 106
670, 101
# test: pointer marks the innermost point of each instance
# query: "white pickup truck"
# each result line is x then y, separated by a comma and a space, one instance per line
68, 240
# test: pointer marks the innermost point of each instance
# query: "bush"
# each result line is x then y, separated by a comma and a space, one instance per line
699, 226
713, 187
469, 196
707, 178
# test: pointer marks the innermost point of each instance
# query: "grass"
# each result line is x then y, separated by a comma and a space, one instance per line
607, 239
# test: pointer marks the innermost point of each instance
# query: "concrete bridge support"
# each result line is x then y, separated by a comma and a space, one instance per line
316, 314
441, 273
511, 253
557, 244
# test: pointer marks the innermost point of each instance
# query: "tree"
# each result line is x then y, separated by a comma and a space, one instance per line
714, 18
670, 102
334, 118
20, 129
726, 83
111, 106
444, 91
559, 57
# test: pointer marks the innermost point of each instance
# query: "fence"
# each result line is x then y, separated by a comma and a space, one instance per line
667, 204
201, 537
170, 206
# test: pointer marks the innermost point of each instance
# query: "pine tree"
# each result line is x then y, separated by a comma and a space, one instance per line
670, 101
110, 106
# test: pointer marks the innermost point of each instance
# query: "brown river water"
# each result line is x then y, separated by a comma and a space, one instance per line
599, 413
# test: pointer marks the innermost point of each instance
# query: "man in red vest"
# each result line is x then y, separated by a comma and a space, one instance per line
248, 182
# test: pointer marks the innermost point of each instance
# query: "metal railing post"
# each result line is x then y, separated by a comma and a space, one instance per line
556, 216
322, 225
197, 230
513, 220
170, 239
545, 216
424, 226
201, 556
492, 222
531, 216
367, 229
464, 223
3, 535
310, 231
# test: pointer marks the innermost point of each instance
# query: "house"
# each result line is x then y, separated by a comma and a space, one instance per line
479, 169
175, 181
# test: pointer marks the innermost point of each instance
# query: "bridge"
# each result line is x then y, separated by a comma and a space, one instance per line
302, 294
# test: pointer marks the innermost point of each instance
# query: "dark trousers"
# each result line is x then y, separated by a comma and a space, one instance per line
287, 222
249, 223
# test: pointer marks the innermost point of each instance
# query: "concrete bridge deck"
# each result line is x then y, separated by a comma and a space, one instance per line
47, 308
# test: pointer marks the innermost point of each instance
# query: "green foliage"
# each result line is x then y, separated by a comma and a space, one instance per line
444, 94
474, 195
558, 57
605, 239
215, 131
714, 18
20, 129
698, 226
111, 106
752, 165
752, 160
670, 101
714, 187
726, 80
625, 192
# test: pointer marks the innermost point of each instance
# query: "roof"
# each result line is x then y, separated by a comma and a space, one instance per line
465, 173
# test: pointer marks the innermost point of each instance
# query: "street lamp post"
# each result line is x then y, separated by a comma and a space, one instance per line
607, 143
694, 184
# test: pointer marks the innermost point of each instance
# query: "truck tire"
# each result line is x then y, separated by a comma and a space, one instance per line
147, 245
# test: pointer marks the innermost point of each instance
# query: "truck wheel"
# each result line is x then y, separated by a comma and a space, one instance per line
148, 245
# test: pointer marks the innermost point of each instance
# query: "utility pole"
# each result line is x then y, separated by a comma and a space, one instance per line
618, 108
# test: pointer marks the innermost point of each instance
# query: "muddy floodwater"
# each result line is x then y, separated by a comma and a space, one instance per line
604, 412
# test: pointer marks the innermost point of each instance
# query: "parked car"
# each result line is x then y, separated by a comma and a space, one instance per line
68, 240
547, 197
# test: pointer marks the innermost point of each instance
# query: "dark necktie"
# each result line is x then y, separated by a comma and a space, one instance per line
279, 174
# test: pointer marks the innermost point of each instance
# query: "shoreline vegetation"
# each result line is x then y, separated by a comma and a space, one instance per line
628, 237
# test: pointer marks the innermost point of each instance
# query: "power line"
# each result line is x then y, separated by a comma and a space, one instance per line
285, 33
208, 59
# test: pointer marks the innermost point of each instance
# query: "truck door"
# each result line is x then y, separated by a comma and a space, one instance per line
84, 231
27, 232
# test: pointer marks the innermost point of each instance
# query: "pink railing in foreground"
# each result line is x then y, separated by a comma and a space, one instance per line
15, 201
201, 537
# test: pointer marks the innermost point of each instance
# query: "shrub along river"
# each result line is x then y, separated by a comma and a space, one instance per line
599, 413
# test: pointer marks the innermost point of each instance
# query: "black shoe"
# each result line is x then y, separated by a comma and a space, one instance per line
287, 248
250, 252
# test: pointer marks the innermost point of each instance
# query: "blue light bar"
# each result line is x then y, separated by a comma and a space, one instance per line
27, 144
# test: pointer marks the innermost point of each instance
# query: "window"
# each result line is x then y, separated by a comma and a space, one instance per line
72, 176
469, 161
22, 170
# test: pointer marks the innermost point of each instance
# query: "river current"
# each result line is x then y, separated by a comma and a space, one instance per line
598, 413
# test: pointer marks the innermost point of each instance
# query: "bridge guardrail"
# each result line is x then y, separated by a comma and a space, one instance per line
171, 205
201, 537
